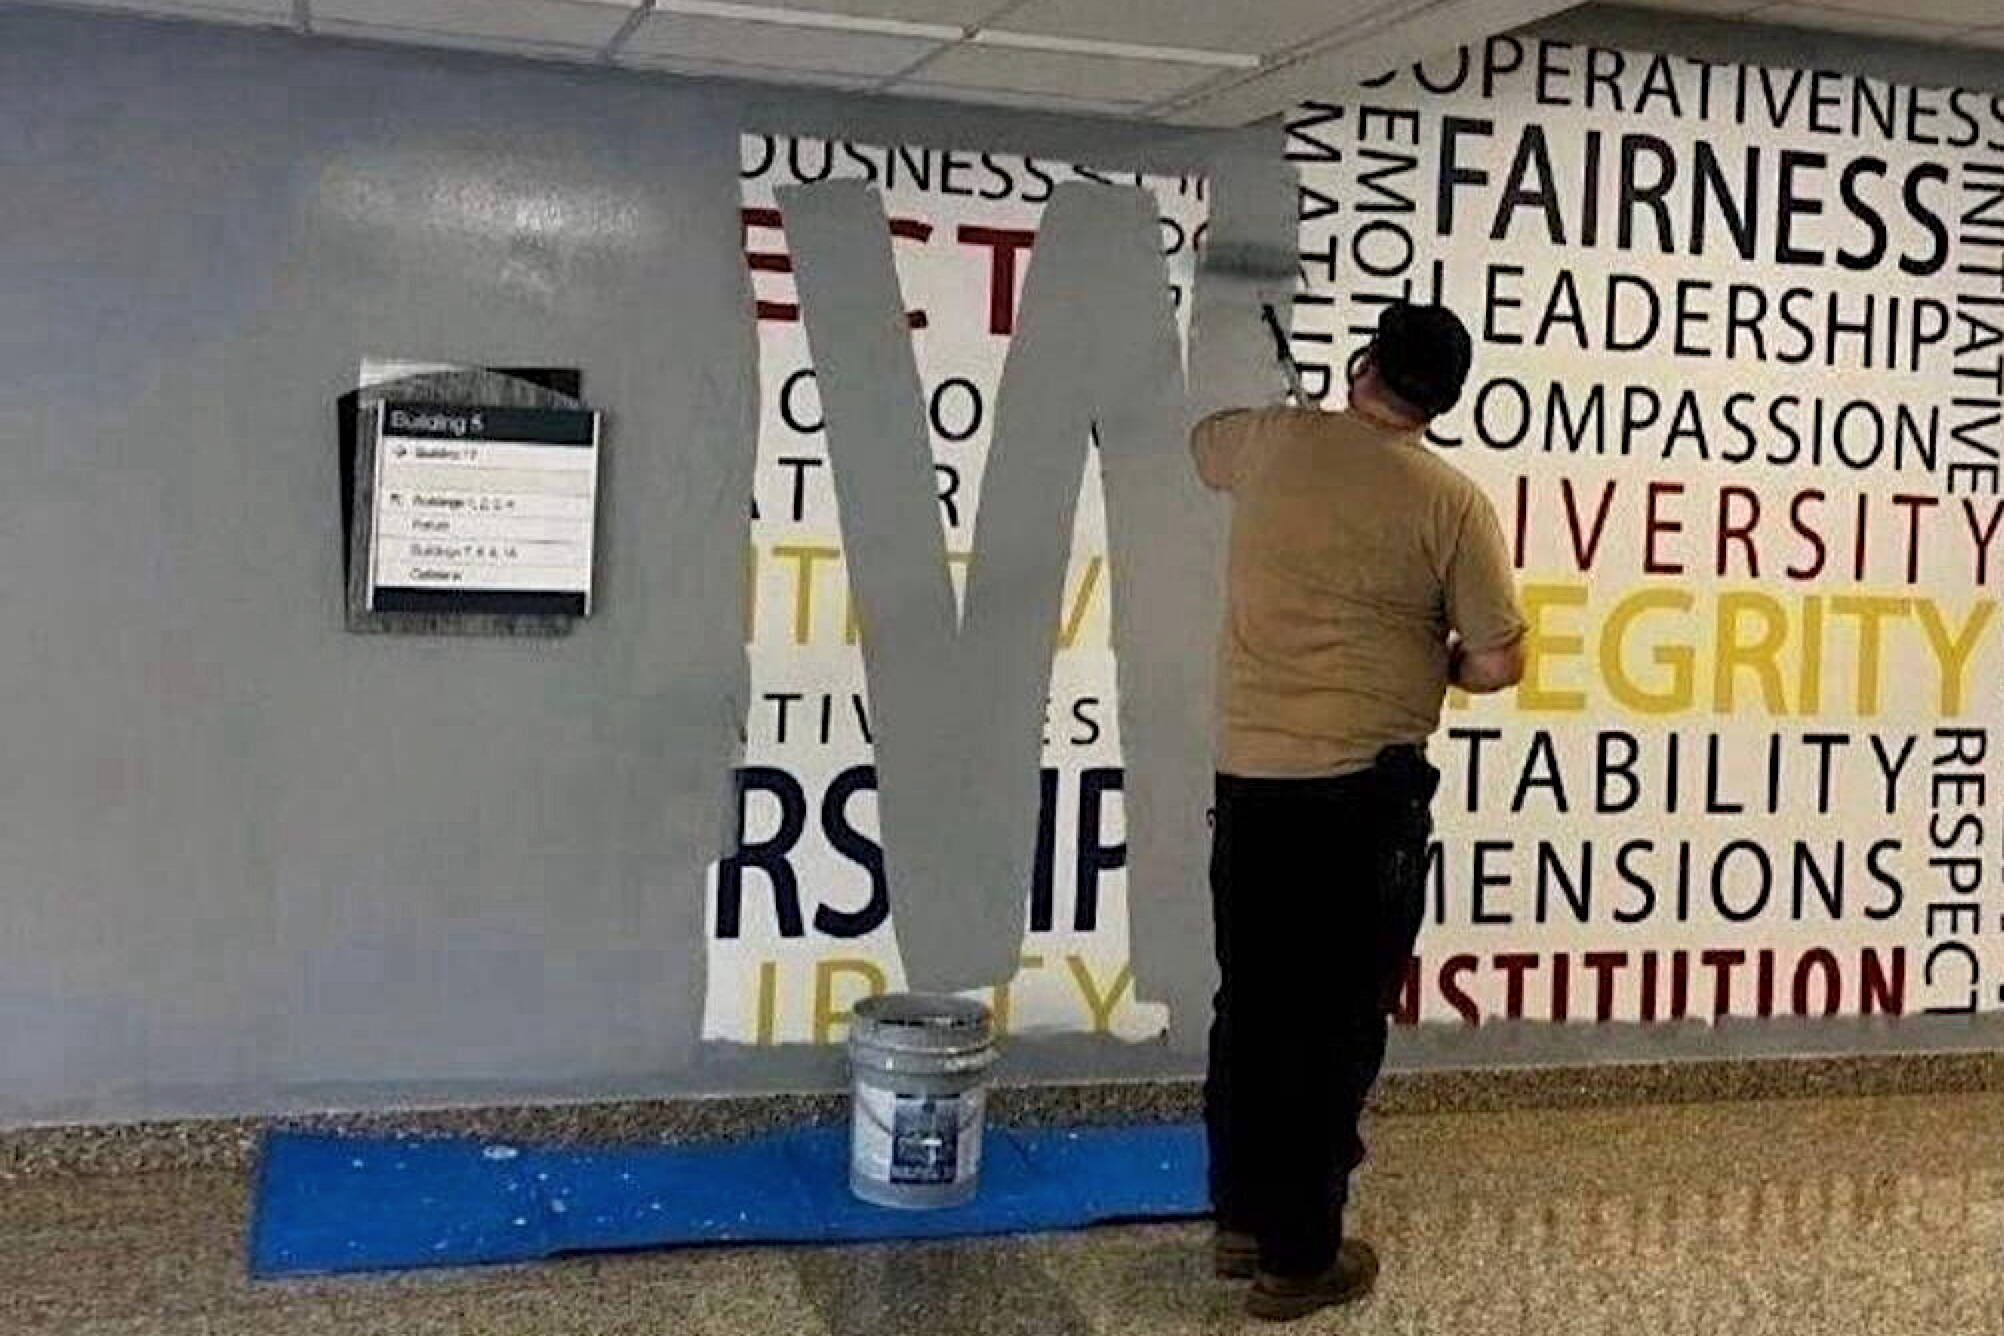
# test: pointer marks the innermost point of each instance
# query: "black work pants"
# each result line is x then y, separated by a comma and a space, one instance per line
1316, 887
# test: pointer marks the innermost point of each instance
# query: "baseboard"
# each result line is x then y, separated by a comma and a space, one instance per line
231, 1143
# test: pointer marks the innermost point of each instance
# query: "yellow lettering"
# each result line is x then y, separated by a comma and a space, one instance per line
1952, 653
1101, 1006
1809, 689
826, 1014
1677, 658
1542, 646
804, 556
1004, 994
1871, 612
1068, 634
1762, 655
768, 999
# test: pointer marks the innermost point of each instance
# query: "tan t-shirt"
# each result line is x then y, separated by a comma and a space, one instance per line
1355, 549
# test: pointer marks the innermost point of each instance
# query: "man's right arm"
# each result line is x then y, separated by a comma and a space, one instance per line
1487, 651
1220, 444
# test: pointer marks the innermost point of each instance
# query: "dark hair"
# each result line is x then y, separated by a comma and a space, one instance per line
1423, 355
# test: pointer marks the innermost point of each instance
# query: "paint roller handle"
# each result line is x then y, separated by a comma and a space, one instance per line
1288, 366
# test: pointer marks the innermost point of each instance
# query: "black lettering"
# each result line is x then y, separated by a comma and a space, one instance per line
1651, 193
859, 849
1453, 129
1794, 204
1865, 212
1534, 158
1929, 218
768, 855
1094, 858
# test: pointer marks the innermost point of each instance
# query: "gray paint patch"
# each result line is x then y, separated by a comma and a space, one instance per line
240, 849
1167, 537
959, 713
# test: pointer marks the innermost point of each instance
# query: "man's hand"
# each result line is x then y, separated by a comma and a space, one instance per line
1488, 672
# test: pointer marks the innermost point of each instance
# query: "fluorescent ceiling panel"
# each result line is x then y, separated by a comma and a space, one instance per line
1259, 27
1726, 7
1001, 97
1063, 74
954, 13
773, 46
724, 69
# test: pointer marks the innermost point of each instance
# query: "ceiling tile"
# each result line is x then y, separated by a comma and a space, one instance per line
1261, 27
1950, 13
958, 13
537, 23
1092, 78
214, 11
776, 46
1702, 6
1840, 20
1342, 61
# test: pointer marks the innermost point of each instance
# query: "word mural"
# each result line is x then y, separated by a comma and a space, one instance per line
1739, 401
801, 924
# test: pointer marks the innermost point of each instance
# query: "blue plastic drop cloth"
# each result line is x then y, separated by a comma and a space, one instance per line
339, 1203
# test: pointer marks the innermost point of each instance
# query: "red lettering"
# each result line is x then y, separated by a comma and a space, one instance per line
1858, 546
1914, 505
1584, 549
767, 262
1815, 538
1513, 964
1723, 962
1741, 531
1523, 518
1604, 964
1822, 961
1405, 1011
780, 262
1450, 987
1655, 525
1004, 244
1884, 993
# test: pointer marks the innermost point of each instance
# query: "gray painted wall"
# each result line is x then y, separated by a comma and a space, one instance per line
248, 861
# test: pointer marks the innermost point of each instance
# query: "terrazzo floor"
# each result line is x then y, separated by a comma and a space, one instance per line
1829, 1216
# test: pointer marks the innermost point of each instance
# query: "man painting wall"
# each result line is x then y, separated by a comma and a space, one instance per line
1366, 575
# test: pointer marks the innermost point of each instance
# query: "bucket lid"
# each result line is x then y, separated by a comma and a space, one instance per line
927, 1022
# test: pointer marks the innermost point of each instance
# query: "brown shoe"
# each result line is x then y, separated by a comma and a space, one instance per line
1234, 1256
1280, 1299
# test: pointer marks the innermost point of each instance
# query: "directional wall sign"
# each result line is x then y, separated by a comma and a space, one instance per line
483, 510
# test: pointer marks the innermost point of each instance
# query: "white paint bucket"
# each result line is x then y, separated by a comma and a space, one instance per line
919, 1075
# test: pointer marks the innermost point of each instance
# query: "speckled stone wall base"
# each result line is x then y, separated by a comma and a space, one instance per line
143, 1147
